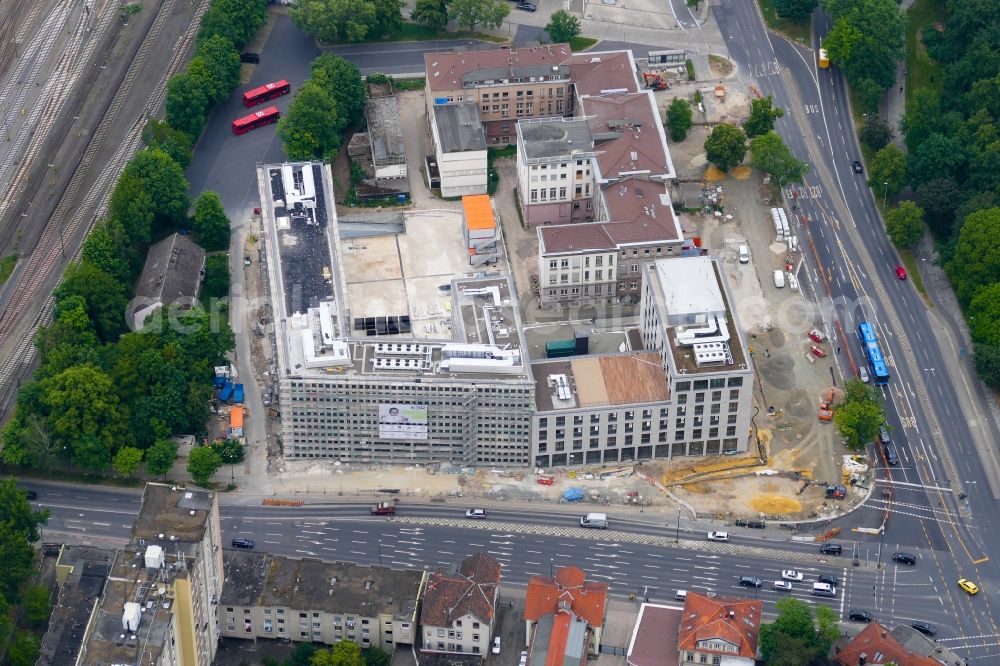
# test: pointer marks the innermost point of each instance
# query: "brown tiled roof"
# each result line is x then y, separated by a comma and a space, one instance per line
470, 591
445, 70
637, 213
876, 639
593, 73
735, 621
639, 144
570, 589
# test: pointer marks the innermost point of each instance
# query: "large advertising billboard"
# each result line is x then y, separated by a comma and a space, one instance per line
402, 421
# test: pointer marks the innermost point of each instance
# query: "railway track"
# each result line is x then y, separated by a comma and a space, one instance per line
79, 217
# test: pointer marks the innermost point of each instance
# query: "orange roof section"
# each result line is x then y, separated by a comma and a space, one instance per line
236, 417
735, 621
557, 641
478, 212
586, 599
875, 639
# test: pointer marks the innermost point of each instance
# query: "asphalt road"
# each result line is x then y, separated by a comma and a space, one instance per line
853, 264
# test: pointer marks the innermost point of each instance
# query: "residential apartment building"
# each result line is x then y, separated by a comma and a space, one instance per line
308, 600
507, 84
158, 605
685, 388
577, 600
459, 148
459, 608
903, 646
555, 180
717, 630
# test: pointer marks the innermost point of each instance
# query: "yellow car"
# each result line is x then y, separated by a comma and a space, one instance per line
968, 586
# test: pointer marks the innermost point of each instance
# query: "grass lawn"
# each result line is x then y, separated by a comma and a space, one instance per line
414, 32
797, 30
910, 262
581, 43
921, 70
7, 267
493, 178
408, 84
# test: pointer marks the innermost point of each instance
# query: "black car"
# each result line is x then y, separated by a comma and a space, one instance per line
750, 581
31, 495
890, 456
829, 579
252, 58
240, 542
857, 615
526, 6
856, 165
831, 549
883, 435
904, 558
926, 628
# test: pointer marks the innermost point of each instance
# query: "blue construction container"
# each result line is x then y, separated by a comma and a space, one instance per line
226, 392
238, 394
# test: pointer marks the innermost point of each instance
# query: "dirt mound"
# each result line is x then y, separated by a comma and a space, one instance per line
714, 174
775, 503
778, 372
800, 404
741, 173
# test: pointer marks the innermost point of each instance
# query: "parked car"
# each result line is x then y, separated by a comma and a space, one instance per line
817, 335
781, 586
792, 574
750, 581
475, 513
926, 628
856, 165
904, 558
831, 549
526, 6
240, 542
496, 645
744, 254
883, 435
900, 272
818, 351
718, 536
858, 615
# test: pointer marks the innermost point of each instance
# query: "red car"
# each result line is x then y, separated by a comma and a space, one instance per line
818, 351
817, 335
900, 272
546, 480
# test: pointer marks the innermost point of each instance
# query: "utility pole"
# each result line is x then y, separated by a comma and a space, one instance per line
677, 534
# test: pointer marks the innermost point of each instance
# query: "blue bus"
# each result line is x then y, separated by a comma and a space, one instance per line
873, 353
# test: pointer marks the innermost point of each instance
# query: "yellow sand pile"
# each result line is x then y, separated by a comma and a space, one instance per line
713, 174
740, 173
775, 504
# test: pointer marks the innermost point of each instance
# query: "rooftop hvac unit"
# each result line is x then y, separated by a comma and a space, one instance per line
154, 557
703, 357
131, 615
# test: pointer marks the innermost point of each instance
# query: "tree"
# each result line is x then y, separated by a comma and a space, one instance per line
24, 649
216, 282
163, 179
726, 146
210, 222
858, 423
217, 66
342, 79
869, 93
905, 225
483, 13
795, 10
160, 457
37, 606
309, 128
770, 154
230, 451
186, 105
127, 460
763, 113
104, 297
562, 26
975, 260
937, 199
344, 653
238, 20
866, 39
887, 174
376, 657
108, 248
158, 134
679, 117
986, 359
18, 531
983, 315
827, 628
132, 207
335, 20
69, 340
431, 13
203, 463
388, 16
875, 133
939, 156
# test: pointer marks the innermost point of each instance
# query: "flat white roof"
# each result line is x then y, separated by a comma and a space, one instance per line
690, 286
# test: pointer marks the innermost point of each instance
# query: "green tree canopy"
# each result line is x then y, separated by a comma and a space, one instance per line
986, 359
432, 13
187, 104
309, 128
132, 208
238, 20
763, 113
108, 248
474, 14
344, 653
216, 66
679, 117
388, 17
37, 606
342, 79
887, 173
335, 20
858, 423
796, 637
18, 531
726, 146
127, 460
938, 156
866, 39
230, 450
875, 133
795, 10
905, 225
161, 456
210, 222
163, 179
937, 198
770, 154
104, 297
562, 26
158, 134
984, 315
202, 465
975, 260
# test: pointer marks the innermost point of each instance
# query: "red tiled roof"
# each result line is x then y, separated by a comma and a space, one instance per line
593, 73
557, 641
586, 599
876, 639
734, 621
640, 144
470, 591
637, 213
445, 70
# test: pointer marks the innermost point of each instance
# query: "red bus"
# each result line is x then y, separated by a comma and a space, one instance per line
265, 92
256, 119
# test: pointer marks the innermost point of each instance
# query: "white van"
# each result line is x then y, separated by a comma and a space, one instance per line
744, 254
824, 590
596, 520
779, 279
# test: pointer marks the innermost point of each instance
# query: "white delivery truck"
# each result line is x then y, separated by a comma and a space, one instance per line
595, 520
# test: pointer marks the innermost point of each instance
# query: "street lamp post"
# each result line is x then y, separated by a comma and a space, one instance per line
380, 552
551, 572
677, 534
885, 193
